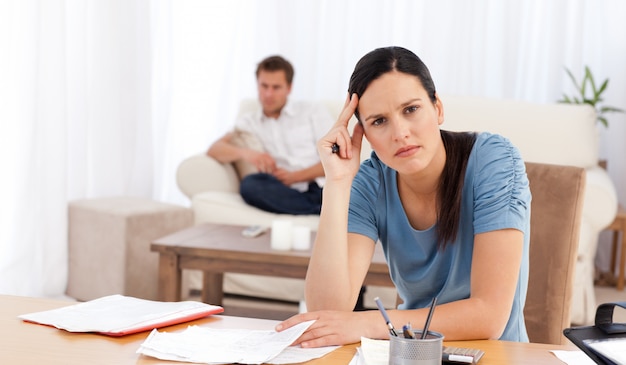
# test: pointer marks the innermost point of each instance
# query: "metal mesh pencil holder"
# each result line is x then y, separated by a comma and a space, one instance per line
415, 351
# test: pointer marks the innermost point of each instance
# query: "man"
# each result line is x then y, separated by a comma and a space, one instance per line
290, 175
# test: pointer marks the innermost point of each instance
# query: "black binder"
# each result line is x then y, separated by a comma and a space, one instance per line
604, 329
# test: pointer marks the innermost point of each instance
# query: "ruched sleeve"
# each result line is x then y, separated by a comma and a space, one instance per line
366, 199
501, 191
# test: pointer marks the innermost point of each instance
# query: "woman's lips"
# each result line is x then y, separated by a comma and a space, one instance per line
406, 151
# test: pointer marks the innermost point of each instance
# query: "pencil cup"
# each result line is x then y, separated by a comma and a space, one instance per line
281, 234
415, 351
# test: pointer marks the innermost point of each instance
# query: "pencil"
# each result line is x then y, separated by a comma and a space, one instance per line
430, 316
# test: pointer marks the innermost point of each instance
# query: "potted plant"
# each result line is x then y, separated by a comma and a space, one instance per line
595, 99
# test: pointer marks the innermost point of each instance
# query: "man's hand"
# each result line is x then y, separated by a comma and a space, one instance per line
261, 160
287, 177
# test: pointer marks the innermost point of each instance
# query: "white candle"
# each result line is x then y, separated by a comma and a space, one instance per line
281, 234
301, 238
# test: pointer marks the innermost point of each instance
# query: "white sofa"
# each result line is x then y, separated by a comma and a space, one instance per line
560, 134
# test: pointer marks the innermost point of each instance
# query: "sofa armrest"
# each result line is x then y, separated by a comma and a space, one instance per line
201, 173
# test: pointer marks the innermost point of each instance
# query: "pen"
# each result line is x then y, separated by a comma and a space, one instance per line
392, 331
430, 316
457, 359
407, 331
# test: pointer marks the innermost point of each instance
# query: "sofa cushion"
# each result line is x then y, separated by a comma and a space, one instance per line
200, 173
229, 208
561, 134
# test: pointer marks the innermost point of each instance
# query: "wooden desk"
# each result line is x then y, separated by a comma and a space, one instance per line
217, 249
27, 343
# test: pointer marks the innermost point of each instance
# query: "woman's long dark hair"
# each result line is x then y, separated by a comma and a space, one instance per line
458, 145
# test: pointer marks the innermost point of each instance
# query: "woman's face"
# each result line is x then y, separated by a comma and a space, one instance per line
401, 122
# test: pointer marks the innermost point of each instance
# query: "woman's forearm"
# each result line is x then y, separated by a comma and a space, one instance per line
328, 278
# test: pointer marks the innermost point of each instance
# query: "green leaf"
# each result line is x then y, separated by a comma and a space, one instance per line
603, 86
594, 100
589, 77
610, 109
571, 76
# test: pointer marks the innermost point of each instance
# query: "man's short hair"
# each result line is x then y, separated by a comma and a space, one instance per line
276, 63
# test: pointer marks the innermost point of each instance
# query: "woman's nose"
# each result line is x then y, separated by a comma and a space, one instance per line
400, 129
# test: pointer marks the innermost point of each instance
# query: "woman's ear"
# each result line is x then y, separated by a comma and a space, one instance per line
439, 107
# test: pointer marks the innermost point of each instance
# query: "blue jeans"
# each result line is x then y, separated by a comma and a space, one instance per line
266, 192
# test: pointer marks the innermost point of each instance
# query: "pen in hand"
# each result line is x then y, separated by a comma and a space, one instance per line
392, 331
430, 316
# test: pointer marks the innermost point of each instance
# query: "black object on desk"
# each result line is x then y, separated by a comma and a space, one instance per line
604, 329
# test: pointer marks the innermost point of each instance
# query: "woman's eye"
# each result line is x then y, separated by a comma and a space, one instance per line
410, 109
378, 121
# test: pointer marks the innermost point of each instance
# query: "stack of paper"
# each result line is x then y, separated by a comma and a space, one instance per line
227, 346
371, 352
118, 315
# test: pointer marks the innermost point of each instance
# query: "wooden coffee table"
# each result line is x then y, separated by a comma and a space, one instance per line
218, 249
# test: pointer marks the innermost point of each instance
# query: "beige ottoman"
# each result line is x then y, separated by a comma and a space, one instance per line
109, 245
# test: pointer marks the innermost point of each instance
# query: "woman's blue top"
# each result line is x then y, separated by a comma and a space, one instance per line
495, 196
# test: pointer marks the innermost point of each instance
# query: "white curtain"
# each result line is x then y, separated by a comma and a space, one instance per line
78, 121
106, 97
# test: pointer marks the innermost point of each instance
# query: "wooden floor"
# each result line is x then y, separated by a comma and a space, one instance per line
605, 294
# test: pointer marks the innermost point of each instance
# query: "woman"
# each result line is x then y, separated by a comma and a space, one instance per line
452, 211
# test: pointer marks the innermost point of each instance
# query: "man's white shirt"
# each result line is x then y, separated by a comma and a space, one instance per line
292, 137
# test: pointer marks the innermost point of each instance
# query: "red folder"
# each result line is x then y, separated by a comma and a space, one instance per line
118, 315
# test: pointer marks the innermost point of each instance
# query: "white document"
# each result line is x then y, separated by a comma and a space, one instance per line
118, 315
226, 346
357, 359
573, 357
375, 352
296, 354
371, 352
